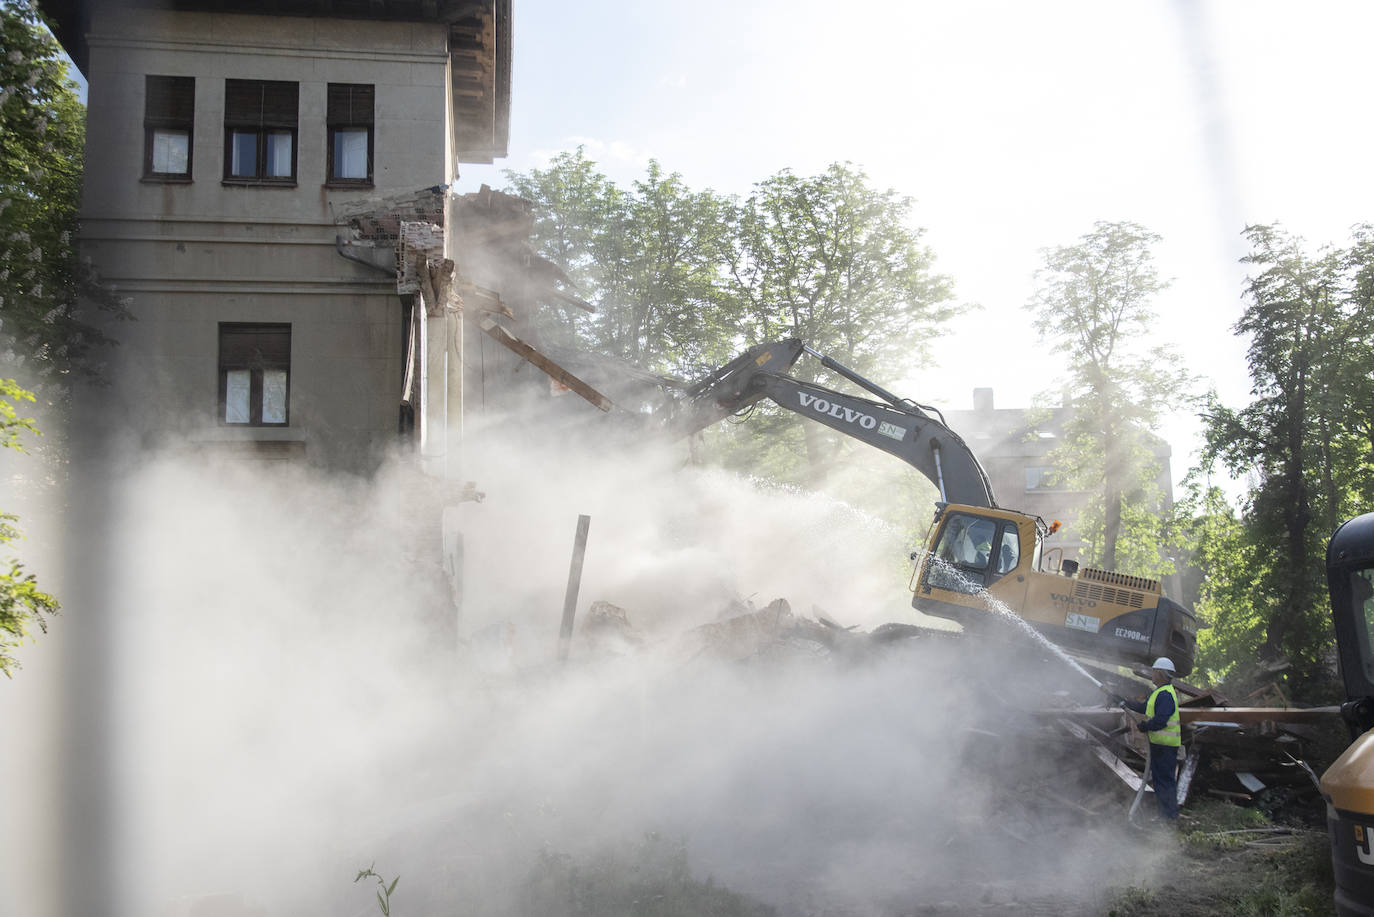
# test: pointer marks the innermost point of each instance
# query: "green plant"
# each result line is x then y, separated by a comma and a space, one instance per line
384, 895
1132, 900
22, 604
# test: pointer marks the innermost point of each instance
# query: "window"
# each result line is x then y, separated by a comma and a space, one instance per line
1008, 551
349, 118
169, 105
254, 374
972, 552
961, 554
1043, 477
1362, 594
260, 131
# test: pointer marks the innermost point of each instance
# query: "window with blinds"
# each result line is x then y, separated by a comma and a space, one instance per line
254, 374
260, 130
169, 107
349, 116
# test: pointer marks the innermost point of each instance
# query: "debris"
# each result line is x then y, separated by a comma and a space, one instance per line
513, 343
1185, 779
1249, 756
606, 630
1104, 754
574, 584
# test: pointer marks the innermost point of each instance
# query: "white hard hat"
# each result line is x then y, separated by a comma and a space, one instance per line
1164, 664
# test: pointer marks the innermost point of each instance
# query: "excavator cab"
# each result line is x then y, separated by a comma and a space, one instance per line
983, 560
1348, 785
973, 551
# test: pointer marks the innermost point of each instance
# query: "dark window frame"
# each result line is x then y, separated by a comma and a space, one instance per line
349, 107
255, 362
1048, 479
276, 110
169, 104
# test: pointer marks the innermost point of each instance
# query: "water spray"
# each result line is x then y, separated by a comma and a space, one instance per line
1004, 611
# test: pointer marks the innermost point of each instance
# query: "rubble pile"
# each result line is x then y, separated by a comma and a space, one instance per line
1098, 760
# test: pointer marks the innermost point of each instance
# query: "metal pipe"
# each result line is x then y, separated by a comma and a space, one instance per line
857, 379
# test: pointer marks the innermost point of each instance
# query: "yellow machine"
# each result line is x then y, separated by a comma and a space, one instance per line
1348, 785
981, 559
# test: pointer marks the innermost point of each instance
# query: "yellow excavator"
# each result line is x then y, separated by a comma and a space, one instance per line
1348, 785
978, 554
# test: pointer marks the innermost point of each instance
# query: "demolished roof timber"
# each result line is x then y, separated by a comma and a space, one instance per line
549, 367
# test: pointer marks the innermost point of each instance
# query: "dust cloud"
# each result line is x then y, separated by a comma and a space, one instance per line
293, 696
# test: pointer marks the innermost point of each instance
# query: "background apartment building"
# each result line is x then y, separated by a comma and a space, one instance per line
1015, 446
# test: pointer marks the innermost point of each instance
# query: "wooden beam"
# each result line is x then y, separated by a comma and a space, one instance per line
482, 299
565, 632
554, 371
1185, 779
1114, 764
1257, 714
1237, 715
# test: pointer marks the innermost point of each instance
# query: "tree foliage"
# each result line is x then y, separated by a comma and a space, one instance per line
683, 280
23, 606
836, 262
1094, 300
1304, 442
44, 287
45, 341
647, 259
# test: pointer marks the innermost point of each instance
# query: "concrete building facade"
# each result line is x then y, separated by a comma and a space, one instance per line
224, 138
228, 141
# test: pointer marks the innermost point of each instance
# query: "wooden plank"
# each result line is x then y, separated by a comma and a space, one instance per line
574, 585
514, 344
1257, 714
1116, 765
1230, 715
1185, 780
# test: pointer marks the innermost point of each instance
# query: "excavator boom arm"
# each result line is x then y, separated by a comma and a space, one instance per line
901, 428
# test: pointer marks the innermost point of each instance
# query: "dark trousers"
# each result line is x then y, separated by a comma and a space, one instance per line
1164, 778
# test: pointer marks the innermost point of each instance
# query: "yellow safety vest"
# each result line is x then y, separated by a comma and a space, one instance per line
1172, 733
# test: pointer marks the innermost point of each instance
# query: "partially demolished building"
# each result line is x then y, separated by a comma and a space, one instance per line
274, 188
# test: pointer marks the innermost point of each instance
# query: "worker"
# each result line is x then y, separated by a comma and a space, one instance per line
1162, 726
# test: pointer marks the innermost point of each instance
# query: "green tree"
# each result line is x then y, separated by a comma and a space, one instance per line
43, 285
1306, 452
1094, 302
1221, 551
836, 262
683, 280
646, 258
45, 290
579, 216
23, 606
1354, 447
666, 310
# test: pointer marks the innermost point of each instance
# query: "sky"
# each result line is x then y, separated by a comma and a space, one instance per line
1014, 127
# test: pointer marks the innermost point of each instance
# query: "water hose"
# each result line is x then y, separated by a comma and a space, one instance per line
1135, 805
